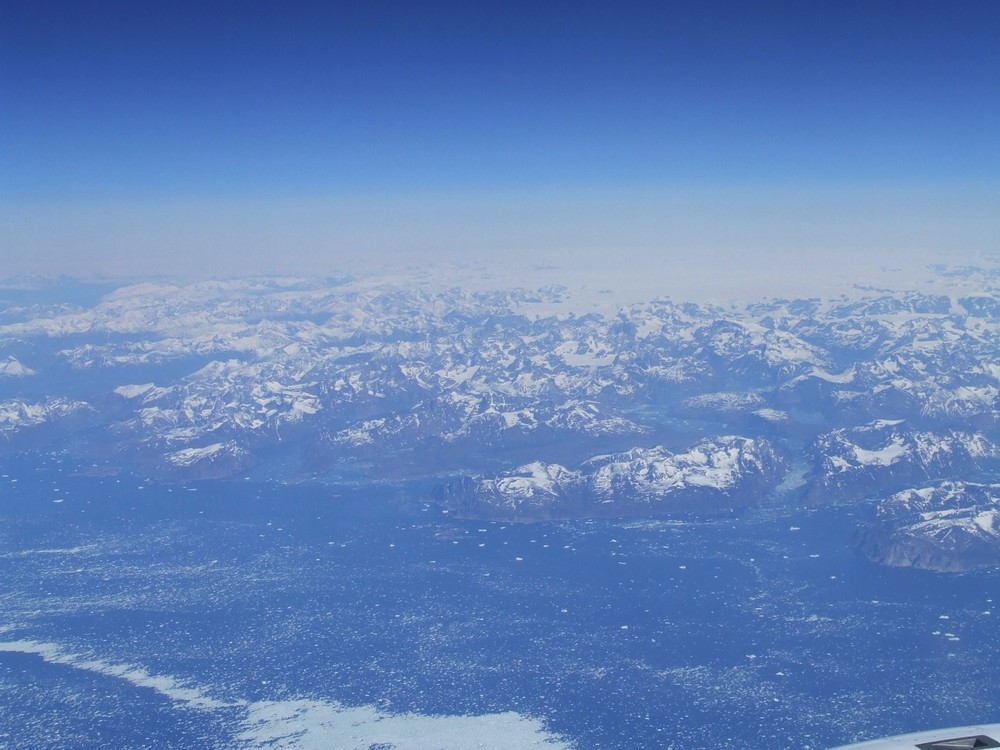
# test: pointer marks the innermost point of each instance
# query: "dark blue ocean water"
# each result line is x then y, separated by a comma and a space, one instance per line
764, 631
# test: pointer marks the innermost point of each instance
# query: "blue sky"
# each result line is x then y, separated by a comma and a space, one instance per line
154, 128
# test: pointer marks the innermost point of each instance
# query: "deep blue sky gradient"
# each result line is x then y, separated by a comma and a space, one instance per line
148, 101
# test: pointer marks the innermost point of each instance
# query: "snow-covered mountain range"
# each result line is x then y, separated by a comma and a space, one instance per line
714, 475
511, 400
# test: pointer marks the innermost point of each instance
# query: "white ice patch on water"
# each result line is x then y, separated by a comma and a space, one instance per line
318, 725
50, 551
169, 687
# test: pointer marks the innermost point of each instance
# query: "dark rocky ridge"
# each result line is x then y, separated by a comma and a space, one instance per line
946, 527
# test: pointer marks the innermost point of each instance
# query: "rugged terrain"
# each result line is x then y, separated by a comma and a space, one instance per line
510, 403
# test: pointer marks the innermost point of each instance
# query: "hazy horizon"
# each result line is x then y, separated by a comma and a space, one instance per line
190, 140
